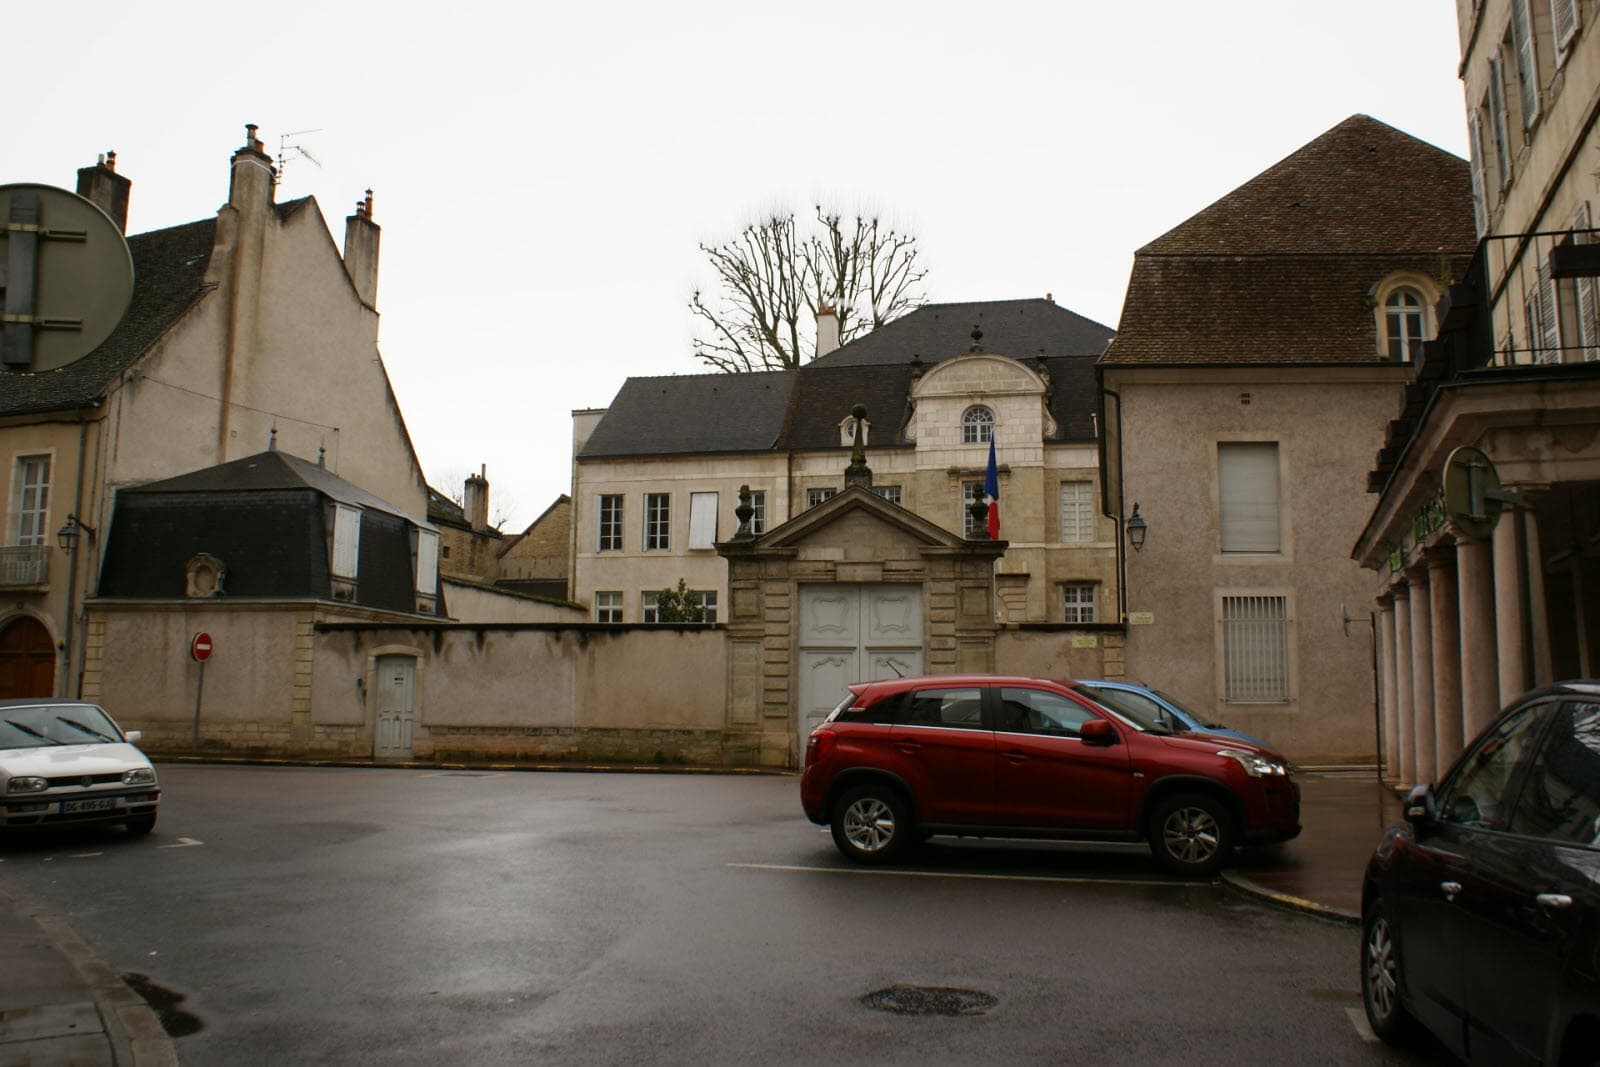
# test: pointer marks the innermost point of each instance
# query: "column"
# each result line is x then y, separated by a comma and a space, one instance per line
1384, 635
1444, 614
1510, 647
1406, 748
1480, 680
1422, 674
1543, 668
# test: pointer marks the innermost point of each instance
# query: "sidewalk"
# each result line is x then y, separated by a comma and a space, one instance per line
1342, 815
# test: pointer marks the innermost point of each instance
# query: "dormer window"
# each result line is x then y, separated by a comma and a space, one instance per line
977, 425
1403, 318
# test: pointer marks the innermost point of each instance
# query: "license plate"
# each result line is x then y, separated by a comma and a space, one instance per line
100, 804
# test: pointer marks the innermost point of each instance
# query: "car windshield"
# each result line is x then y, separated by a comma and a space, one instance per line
1136, 712
1190, 713
39, 725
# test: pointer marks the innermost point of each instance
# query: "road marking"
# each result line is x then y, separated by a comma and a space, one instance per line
1358, 1019
1055, 879
86, 855
183, 842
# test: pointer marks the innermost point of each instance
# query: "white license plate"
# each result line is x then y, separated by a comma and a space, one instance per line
100, 804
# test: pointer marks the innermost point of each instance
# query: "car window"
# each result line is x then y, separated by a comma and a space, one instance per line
942, 707
1477, 791
1034, 711
38, 725
1139, 709
1561, 800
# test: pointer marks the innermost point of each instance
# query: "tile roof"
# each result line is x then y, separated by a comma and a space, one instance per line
1280, 270
1020, 329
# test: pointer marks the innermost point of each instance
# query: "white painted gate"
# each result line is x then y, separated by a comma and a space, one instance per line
853, 633
392, 707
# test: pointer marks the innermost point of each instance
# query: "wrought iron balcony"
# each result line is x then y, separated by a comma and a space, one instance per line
24, 566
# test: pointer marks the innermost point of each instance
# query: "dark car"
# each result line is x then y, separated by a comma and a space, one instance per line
1481, 912
991, 756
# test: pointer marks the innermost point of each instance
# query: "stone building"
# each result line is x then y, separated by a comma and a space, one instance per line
1485, 536
1261, 348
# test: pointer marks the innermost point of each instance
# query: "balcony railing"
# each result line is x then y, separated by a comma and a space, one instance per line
23, 566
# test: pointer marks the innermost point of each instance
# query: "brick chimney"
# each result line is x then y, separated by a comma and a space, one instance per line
475, 499
107, 190
827, 329
361, 251
252, 179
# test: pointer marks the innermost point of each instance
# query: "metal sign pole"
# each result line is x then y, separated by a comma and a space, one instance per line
198, 692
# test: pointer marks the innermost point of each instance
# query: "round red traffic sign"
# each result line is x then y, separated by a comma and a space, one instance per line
200, 646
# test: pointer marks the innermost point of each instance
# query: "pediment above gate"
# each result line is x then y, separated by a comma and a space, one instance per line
859, 524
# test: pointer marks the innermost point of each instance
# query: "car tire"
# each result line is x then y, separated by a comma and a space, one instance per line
140, 825
872, 824
1191, 834
1380, 977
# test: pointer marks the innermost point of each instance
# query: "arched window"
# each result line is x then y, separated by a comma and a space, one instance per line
1403, 318
977, 426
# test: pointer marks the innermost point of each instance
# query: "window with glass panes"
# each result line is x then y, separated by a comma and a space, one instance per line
610, 523
1077, 602
649, 608
31, 500
758, 520
608, 607
1402, 317
1077, 512
970, 527
707, 599
977, 426
891, 493
657, 521
817, 496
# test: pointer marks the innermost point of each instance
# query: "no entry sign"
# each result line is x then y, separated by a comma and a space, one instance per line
200, 646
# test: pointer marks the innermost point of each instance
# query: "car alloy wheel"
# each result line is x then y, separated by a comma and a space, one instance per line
1191, 834
871, 824
1380, 977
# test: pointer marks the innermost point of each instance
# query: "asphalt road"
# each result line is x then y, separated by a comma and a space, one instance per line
322, 915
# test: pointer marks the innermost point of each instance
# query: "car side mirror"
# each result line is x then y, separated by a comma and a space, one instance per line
1421, 809
1098, 732
132, 736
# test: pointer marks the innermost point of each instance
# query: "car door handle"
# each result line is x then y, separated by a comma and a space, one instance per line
1554, 900
1016, 755
1450, 889
908, 747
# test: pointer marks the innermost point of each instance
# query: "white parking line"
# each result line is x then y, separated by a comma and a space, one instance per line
891, 872
1358, 1019
183, 842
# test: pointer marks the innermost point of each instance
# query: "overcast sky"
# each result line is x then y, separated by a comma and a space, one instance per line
543, 173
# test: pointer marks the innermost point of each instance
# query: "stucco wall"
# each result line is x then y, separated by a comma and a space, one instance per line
1060, 653
473, 603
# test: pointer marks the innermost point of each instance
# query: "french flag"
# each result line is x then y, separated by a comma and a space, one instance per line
991, 494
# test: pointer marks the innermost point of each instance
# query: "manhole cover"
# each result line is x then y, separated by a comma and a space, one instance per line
929, 1000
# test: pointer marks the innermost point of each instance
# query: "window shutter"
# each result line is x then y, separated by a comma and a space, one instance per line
1549, 320
1584, 291
1248, 475
346, 540
1565, 13
427, 561
1497, 122
702, 520
1527, 60
1475, 145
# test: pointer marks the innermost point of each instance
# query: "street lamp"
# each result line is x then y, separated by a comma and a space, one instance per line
67, 538
1137, 528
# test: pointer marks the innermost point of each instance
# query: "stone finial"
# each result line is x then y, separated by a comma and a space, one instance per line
744, 513
977, 338
858, 473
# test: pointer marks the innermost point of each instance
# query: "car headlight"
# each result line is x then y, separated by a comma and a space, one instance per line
139, 776
27, 785
1255, 766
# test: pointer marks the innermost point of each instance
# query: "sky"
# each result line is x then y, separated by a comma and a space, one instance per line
544, 173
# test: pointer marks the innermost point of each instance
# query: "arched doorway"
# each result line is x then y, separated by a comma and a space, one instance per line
27, 659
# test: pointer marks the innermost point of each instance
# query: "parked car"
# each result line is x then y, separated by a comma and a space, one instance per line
900, 760
1481, 911
66, 762
1141, 700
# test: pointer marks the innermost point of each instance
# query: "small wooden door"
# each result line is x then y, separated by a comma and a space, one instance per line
27, 659
393, 702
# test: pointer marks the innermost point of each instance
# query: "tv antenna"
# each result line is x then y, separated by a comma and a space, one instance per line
299, 151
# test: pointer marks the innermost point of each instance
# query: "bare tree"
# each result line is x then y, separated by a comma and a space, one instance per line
772, 278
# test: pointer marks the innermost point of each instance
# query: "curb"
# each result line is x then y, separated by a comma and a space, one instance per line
1284, 900
132, 1031
426, 765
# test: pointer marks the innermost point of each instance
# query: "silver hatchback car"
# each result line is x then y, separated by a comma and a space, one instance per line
65, 762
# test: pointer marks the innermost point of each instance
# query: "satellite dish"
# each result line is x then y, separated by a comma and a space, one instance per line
66, 277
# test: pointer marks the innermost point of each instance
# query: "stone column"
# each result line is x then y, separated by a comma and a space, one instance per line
1390, 714
1510, 646
1445, 617
1480, 697
1406, 747
1422, 673
1543, 667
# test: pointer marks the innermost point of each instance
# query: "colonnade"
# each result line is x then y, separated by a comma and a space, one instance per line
1461, 631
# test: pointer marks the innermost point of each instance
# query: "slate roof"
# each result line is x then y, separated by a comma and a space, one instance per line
1279, 270
801, 410
273, 470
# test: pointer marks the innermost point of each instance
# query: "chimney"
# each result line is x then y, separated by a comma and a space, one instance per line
827, 329
250, 186
361, 251
107, 190
475, 499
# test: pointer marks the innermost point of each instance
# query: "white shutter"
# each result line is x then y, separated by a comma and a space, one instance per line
1565, 13
1497, 121
1480, 206
427, 561
1248, 476
1527, 60
702, 520
1549, 319
346, 540
1588, 315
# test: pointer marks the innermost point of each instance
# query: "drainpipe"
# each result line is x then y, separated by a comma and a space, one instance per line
1122, 559
72, 680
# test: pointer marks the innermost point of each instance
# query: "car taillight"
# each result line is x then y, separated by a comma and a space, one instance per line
820, 744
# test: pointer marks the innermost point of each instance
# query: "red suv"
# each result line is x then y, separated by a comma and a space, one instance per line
991, 756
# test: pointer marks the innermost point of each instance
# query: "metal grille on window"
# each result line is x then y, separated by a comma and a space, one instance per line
1255, 639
